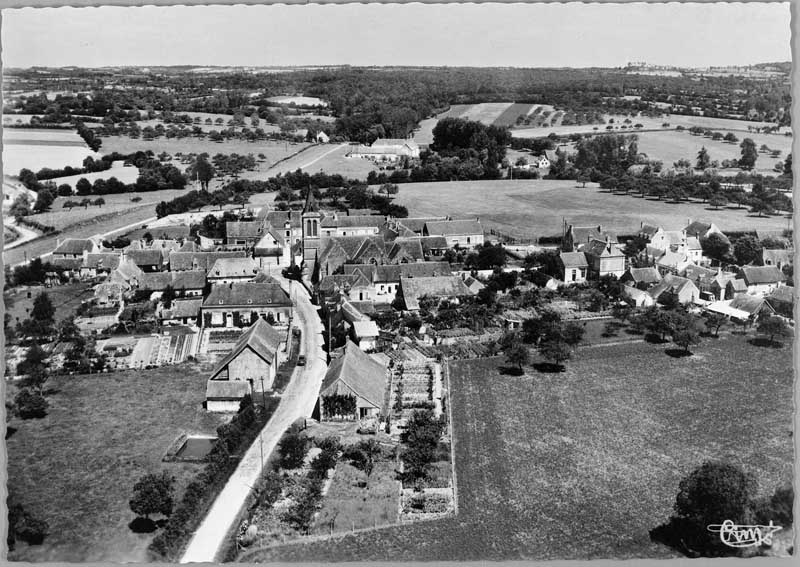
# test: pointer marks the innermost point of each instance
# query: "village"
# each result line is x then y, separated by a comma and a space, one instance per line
465, 310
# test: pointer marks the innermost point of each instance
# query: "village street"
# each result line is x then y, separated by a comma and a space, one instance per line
297, 401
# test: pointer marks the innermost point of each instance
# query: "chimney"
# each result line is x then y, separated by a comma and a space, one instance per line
599, 228
641, 224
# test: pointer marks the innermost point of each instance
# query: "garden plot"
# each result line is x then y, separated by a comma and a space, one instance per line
160, 350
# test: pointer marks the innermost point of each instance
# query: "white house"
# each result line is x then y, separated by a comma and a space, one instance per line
463, 233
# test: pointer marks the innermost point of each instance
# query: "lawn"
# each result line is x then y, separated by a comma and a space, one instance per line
534, 208
65, 298
273, 150
583, 464
76, 467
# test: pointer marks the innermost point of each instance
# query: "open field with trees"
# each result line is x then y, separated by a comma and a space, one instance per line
534, 208
118, 170
274, 151
76, 467
583, 464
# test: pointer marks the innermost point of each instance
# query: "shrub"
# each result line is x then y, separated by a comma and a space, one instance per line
30, 405
293, 449
777, 508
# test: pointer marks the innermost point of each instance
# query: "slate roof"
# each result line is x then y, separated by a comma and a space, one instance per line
103, 260
753, 304
573, 260
244, 229
439, 286
278, 218
146, 257
393, 272
177, 231
226, 390
648, 229
181, 261
348, 221
670, 282
643, 275
584, 234
340, 281
74, 246
453, 227
755, 275
261, 338
737, 284
694, 273
247, 294
355, 373
67, 263
190, 279
431, 243
406, 248
785, 293
233, 267
417, 224
601, 248
181, 308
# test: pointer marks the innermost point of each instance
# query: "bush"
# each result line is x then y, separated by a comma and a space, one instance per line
777, 508
31, 405
293, 449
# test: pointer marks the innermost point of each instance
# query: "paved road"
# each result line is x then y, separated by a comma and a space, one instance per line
298, 401
25, 234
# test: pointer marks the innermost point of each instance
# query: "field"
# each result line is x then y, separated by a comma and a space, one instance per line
329, 158
584, 463
65, 298
77, 466
118, 170
534, 208
273, 150
670, 146
34, 149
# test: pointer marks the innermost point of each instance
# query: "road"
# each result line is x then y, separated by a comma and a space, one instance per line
297, 401
25, 234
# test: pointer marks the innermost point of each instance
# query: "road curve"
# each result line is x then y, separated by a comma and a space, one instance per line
297, 401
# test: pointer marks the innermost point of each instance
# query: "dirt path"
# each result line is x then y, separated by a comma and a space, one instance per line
297, 401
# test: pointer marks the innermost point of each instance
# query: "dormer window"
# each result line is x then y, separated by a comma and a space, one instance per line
249, 301
220, 302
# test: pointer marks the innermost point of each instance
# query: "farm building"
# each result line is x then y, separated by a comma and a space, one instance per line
463, 233
182, 261
185, 284
385, 149
684, 290
148, 260
641, 278
761, 279
74, 248
182, 312
99, 263
229, 270
354, 386
440, 287
253, 361
240, 304
225, 396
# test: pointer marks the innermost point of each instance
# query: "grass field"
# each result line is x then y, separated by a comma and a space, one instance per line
329, 158
510, 114
34, 149
76, 467
65, 298
532, 208
584, 463
273, 150
118, 170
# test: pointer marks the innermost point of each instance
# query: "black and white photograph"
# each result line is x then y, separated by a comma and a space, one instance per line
325, 283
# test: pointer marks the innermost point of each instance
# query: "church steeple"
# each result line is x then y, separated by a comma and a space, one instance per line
311, 205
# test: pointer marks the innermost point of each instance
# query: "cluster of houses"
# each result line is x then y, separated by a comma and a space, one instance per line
672, 267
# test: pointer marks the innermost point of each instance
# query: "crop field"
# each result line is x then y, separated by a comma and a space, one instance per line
76, 467
534, 208
273, 150
583, 464
670, 146
34, 149
510, 114
123, 174
329, 158
268, 128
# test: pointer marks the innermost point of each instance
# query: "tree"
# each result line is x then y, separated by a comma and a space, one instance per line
293, 448
555, 349
43, 310
747, 250
716, 247
153, 494
167, 296
99, 202
711, 494
715, 321
30, 405
749, 154
367, 452
518, 354
686, 337
421, 437
703, 159
731, 138
774, 326
787, 166
718, 200
44, 199
83, 187
202, 171
21, 207
761, 206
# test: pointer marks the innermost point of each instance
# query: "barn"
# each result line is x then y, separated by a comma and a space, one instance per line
353, 387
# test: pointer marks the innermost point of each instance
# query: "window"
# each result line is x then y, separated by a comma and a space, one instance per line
467, 239
574, 274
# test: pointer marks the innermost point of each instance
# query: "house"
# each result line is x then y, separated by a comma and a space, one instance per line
735, 287
339, 250
355, 286
761, 279
228, 270
574, 238
639, 297
574, 267
322, 137
74, 248
101, 263
182, 261
253, 361
185, 284
385, 149
684, 290
385, 278
243, 232
240, 304
172, 232
225, 396
181, 312
433, 247
440, 287
405, 250
148, 259
640, 278
461, 233
354, 387
275, 248
366, 334
541, 162
672, 263
413, 224
702, 229
605, 258
755, 305
334, 224
777, 257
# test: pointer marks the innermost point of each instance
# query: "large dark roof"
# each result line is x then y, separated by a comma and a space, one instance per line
453, 227
147, 257
356, 373
243, 294
261, 338
74, 246
181, 261
573, 260
755, 275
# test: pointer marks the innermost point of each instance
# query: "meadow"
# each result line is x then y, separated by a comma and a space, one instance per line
273, 151
582, 464
34, 149
76, 467
535, 208
118, 170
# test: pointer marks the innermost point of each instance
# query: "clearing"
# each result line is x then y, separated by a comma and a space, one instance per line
76, 467
583, 464
535, 208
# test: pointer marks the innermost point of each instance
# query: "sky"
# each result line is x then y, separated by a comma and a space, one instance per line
511, 35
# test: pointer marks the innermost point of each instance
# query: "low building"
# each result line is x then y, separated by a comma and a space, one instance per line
241, 304
574, 267
684, 290
253, 361
98, 264
461, 233
223, 396
230, 270
761, 279
182, 312
641, 278
365, 334
74, 248
440, 287
354, 387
